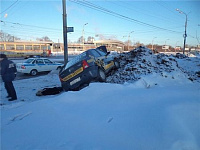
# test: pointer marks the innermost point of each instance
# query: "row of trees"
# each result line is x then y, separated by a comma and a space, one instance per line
5, 37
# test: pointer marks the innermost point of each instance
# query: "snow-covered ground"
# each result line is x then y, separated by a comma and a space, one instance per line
156, 106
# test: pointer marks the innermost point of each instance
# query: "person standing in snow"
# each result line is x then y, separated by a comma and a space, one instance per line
8, 72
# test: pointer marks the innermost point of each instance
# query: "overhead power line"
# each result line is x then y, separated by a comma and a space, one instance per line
28, 25
9, 6
146, 12
104, 10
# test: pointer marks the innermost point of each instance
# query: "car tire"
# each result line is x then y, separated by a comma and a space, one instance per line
117, 64
33, 72
101, 75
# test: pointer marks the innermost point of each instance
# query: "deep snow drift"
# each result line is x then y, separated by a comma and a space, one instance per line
157, 106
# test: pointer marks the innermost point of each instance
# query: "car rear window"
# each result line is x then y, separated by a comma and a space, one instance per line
39, 61
95, 53
101, 52
47, 61
75, 60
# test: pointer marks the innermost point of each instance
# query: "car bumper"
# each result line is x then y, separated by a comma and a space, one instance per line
81, 79
22, 71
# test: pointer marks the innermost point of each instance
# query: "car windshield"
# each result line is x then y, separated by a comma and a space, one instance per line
29, 61
75, 60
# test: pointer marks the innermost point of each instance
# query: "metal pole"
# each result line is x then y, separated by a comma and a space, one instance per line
165, 44
152, 42
65, 32
176, 45
185, 35
129, 39
83, 32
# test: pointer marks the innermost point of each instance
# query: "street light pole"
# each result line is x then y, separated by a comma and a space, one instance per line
176, 45
185, 34
83, 35
65, 32
129, 39
165, 44
152, 42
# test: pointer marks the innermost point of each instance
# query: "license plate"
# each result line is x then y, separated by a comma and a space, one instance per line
75, 81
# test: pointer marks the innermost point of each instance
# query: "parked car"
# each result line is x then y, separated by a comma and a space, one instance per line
91, 65
34, 65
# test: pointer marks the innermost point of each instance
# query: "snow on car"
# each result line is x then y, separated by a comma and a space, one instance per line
34, 65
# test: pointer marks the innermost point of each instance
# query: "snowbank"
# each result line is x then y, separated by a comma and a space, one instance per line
108, 116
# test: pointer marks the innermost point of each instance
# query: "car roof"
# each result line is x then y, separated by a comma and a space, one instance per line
38, 58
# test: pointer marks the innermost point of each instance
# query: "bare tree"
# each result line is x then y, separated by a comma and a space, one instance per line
5, 37
90, 39
80, 40
44, 38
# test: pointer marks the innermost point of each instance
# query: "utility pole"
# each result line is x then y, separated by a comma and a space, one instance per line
152, 42
129, 38
83, 32
165, 44
185, 34
176, 45
65, 32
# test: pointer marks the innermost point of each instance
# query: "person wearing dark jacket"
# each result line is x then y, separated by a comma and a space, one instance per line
8, 72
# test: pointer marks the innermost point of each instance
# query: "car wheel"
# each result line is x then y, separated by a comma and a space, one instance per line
117, 65
101, 75
33, 72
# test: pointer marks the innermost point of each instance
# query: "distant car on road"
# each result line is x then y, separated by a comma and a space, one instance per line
34, 65
91, 65
32, 56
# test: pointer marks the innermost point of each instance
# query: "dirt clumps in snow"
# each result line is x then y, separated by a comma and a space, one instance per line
142, 61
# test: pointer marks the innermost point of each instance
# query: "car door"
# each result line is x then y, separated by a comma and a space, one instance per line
40, 65
49, 65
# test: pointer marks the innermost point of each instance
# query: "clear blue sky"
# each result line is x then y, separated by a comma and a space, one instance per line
110, 19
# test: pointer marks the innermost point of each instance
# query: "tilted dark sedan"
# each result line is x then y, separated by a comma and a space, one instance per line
91, 65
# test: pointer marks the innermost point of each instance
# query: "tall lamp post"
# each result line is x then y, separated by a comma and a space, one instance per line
124, 45
152, 42
185, 34
65, 32
196, 35
176, 46
129, 38
83, 32
165, 44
